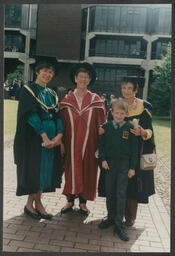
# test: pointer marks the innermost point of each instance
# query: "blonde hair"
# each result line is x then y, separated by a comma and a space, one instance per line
119, 103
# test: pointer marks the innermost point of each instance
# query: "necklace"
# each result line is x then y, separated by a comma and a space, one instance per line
133, 105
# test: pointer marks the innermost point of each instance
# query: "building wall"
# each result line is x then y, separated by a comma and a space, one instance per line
125, 40
59, 31
119, 39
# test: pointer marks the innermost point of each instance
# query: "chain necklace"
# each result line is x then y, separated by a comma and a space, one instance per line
133, 105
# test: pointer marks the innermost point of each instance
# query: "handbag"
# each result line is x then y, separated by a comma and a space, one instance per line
148, 161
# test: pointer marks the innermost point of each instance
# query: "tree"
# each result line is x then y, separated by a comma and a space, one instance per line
16, 75
159, 92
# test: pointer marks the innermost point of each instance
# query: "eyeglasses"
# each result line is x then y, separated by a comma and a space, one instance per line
84, 77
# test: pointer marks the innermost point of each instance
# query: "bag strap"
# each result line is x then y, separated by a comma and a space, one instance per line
154, 145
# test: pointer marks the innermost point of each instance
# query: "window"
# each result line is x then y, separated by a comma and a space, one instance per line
13, 15
159, 48
162, 21
114, 46
14, 42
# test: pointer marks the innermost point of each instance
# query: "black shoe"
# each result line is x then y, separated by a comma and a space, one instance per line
64, 210
35, 216
44, 216
84, 212
121, 233
105, 223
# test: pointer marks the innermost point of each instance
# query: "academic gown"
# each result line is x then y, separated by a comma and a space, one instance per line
38, 168
80, 137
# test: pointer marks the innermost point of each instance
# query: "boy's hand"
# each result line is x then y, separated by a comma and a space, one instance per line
105, 165
131, 173
100, 130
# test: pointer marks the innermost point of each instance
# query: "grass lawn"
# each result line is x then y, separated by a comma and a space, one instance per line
162, 131
10, 115
162, 128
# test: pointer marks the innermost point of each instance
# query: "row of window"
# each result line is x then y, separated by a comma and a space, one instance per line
14, 43
109, 79
125, 48
130, 19
114, 74
121, 48
21, 16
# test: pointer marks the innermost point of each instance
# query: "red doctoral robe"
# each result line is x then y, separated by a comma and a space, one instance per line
80, 138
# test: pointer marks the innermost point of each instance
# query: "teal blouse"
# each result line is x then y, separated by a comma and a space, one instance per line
48, 126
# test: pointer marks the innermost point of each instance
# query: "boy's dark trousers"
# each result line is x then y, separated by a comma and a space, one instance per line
116, 181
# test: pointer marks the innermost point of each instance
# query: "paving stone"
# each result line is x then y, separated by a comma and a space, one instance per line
27, 250
21, 244
74, 233
19, 227
48, 248
9, 230
150, 249
87, 246
72, 250
9, 248
6, 241
76, 239
62, 243
13, 236
100, 242
41, 240
112, 249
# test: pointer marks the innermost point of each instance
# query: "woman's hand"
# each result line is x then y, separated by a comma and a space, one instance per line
57, 139
100, 130
139, 131
105, 165
131, 173
47, 142
136, 131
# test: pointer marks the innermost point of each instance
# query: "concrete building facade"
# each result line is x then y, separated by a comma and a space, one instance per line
119, 40
20, 35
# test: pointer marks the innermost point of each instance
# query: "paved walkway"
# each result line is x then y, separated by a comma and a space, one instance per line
72, 232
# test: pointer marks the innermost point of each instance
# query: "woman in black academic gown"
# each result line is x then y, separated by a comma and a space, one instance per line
38, 134
141, 186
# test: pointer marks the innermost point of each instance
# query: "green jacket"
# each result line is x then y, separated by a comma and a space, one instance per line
118, 143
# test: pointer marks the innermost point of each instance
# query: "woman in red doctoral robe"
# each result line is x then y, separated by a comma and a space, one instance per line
82, 113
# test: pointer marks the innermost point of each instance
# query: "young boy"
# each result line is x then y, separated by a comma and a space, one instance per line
118, 152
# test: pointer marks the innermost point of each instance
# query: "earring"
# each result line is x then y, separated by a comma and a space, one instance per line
75, 81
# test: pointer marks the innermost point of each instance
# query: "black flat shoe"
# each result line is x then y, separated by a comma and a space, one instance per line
35, 216
84, 212
64, 210
44, 216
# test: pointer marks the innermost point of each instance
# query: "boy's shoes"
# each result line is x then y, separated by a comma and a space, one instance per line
106, 222
121, 233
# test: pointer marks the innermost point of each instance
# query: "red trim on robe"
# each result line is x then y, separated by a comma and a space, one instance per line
81, 171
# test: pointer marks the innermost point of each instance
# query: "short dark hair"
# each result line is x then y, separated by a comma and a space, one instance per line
132, 80
42, 65
84, 71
